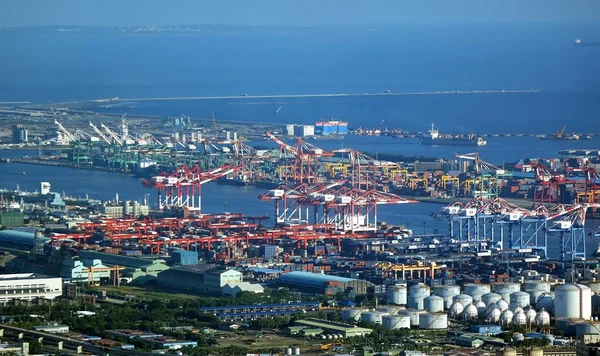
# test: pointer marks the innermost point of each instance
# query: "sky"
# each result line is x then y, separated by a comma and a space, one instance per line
291, 12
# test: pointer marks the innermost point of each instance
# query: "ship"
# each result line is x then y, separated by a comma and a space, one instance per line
561, 136
331, 127
269, 183
433, 137
328, 137
232, 181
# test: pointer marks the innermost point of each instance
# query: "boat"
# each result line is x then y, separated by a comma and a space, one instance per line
328, 137
24, 173
232, 181
331, 127
268, 184
433, 137
560, 136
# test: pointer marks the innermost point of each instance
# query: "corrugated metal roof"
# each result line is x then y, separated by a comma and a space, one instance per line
20, 237
310, 279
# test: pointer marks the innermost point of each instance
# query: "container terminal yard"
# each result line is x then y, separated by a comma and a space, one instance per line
513, 271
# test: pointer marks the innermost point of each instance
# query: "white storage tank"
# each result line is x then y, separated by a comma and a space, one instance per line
506, 317
520, 299
434, 321
463, 299
519, 319
397, 294
455, 310
587, 327
536, 285
505, 293
502, 305
545, 301
392, 322
531, 314
470, 312
413, 315
371, 317
296, 351
512, 287
490, 298
351, 314
516, 309
593, 285
573, 301
481, 307
543, 318
476, 297
433, 304
388, 309
416, 302
419, 290
475, 288
447, 294
493, 315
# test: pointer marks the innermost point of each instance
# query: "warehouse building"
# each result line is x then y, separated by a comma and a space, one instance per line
332, 327
11, 218
28, 287
323, 283
137, 270
19, 239
258, 311
232, 290
215, 279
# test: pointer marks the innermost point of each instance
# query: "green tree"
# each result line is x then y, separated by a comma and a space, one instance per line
35, 347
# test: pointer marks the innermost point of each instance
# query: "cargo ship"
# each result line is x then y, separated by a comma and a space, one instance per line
331, 127
433, 137
232, 181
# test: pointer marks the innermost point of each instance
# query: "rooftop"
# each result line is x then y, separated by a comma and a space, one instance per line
310, 279
330, 325
21, 276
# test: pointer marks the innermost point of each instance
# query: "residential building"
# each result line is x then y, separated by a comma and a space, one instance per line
28, 286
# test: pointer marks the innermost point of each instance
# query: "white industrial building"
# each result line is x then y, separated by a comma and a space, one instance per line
232, 290
299, 130
28, 286
216, 279
52, 328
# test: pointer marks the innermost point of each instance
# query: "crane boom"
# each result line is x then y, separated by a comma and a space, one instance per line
113, 135
215, 125
99, 133
65, 132
282, 144
562, 131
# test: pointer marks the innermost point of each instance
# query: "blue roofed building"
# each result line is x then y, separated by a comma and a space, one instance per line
258, 311
323, 283
486, 329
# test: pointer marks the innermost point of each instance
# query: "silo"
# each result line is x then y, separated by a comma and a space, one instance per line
447, 293
490, 298
507, 351
502, 305
506, 317
586, 302
419, 290
481, 307
397, 294
573, 301
531, 314
455, 310
505, 293
512, 287
475, 288
545, 301
372, 317
392, 322
416, 302
519, 319
433, 304
520, 299
434, 321
413, 315
289, 351
470, 312
463, 299
542, 319
351, 314
587, 327
493, 315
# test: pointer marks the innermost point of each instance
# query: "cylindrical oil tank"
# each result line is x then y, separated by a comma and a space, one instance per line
413, 315
392, 322
519, 319
434, 321
593, 285
351, 314
481, 307
433, 304
573, 301
502, 305
587, 327
446, 289
545, 301
520, 299
490, 298
512, 287
463, 299
506, 317
534, 295
470, 312
542, 319
531, 314
416, 302
536, 285
419, 290
475, 288
493, 315
371, 317
507, 351
455, 310
289, 351
476, 297
536, 352
397, 294
505, 293
388, 309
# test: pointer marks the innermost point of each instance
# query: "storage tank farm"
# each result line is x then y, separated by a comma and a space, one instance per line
417, 295
447, 292
434, 304
351, 314
572, 306
433, 321
397, 294
413, 315
393, 322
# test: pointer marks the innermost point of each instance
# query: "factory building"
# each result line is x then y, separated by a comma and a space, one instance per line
28, 286
19, 134
258, 311
52, 328
11, 218
182, 279
20, 239
137, 270
323, 283
126, 208
215, 279
331, 327
227, 282
299, 130
232, 290
83, 271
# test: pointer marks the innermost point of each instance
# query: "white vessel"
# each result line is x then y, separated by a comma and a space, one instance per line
433, 137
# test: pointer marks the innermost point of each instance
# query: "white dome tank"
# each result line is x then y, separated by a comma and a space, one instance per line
543, 318
531, 314
490, 298
502, 305
420, 290
517, 309
397, 294
435, 321
534, 295
392, 322
521, 299
505, 293
455, 310
519, 319
512, 287
463, 299
470, 312
351, 314
413, 315
416, 302
371, 317
573, 301
481, 307
433, 304
493, 315
545, 301
506, 317
475, 288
